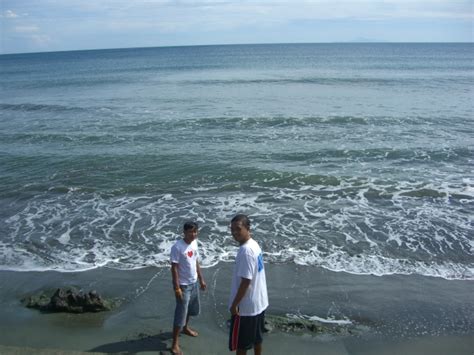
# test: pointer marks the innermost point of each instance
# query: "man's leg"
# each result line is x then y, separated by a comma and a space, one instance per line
180, 318
187, 330
258, 349
192, 310
175, 347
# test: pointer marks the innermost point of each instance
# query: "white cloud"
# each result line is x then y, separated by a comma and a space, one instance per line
10, 14
26, 29
41, 40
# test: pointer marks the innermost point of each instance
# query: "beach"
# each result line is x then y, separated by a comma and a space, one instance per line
387, 315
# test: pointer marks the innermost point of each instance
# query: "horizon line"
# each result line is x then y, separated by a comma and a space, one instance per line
230, 44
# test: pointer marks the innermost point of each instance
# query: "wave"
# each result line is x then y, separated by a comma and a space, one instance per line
340, 228
308, 121
328, 81
215, 124
167, 68
116, 174
30, 107
23, 261
71, 138
71, 82
280, 121
382, 154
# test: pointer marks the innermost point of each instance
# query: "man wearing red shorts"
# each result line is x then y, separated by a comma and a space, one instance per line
248, 297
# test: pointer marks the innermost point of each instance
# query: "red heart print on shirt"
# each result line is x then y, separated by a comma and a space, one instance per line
190, 253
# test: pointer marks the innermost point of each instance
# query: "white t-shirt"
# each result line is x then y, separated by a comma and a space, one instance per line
185, 255
249, 265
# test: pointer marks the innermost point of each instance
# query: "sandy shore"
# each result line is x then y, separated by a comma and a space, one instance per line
392, 314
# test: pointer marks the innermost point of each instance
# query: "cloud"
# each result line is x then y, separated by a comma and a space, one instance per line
26, 29
41, 40
9, 14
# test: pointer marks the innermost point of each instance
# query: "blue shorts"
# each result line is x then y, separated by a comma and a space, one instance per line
190, 304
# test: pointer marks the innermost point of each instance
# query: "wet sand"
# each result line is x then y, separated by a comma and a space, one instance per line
389, 315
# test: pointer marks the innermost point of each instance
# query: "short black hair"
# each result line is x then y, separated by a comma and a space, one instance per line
243, 219
190, 225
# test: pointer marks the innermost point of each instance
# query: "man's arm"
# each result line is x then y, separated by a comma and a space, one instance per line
243, 287
175, 276
200, 277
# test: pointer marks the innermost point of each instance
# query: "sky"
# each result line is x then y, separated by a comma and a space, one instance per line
59, 25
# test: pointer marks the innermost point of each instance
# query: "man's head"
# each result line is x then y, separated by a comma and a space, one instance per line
190, 230
240, 228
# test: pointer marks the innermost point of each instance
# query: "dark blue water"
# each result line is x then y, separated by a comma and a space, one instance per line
354, 157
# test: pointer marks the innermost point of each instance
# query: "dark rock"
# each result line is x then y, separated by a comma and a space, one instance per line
69, 300
290, 324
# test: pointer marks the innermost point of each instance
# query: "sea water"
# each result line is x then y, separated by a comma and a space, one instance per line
351, 157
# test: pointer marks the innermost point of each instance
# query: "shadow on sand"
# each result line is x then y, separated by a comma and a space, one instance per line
147, 343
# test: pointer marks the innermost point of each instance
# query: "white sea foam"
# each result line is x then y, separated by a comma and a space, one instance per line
65, 237
340, 231
329, 320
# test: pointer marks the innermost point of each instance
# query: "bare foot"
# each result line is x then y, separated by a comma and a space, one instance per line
190, 332
176, 351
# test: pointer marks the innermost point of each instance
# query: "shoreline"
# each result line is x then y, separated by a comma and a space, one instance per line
403, 313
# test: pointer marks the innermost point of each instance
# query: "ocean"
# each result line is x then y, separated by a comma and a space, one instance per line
350, 157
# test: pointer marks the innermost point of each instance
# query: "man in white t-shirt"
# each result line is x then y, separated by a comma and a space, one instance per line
248, 297
185, 271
